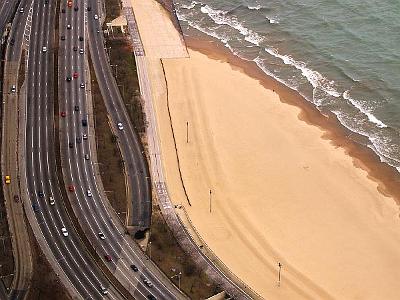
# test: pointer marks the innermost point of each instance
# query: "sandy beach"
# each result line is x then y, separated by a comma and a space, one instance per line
281, 192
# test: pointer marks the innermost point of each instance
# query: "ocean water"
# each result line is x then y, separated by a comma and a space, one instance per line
343, 56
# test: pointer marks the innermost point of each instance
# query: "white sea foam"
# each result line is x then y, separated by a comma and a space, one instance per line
255, 7
365, 111
220, 17
190, 6
272, 20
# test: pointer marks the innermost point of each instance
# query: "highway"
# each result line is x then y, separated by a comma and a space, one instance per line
93, 210
77, 270
15, 213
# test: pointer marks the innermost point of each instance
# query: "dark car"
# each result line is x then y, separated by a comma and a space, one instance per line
35, 207
63, 114
63, 10
71, 188
108, 257
78, 139
70, 145
68, 78
41, 194
151, 297
89, 8
16, 198
12, 42
76, 107
75, 48
76, 8
46, 1
63, 37
84, 122
81, 38
134, 268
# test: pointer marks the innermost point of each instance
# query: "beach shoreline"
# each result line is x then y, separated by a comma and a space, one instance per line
365, 158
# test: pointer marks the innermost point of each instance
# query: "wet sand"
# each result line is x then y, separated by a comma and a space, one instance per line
286, 185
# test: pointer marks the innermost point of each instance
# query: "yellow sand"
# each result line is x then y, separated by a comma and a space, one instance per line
280, 193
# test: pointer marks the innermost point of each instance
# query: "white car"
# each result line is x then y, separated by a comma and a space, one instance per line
84, 136
69, 26
103, 290
89, 193
51, 200
81, 51
96, 17
64, 231
102, 236
120, 126
44, 49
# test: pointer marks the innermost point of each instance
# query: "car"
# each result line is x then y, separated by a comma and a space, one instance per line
84, 122
71, 188
68, 78
81, 51
51, 200
134, 268
44, 49
12, 42
21, 10
78, 140
147, 282
151, 297
35, 207
82, 85
84, 136
7, 179
75, 48
89, 193
63, 10
75, 75
120, 126
69, 26
103, 290
16, 198
46, 1
96, 17
81, 38
63, 37
13, 88
89, 8
41, 194
86, 156
64, 231
69, 3
63, 114
70, 145
76, 108
108, 257
101, 236
76, 8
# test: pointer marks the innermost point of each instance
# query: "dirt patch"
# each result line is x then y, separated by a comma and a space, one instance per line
113, 9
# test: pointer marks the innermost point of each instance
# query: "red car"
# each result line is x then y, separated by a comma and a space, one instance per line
75, 75
63, 114
71, 188
69, 3
108, 257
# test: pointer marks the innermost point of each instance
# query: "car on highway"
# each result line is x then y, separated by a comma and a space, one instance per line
71, 188
103, 290
78, 140
63, 37
147, 282
69, 26
84, 122
96, 17
63, 114
76, 8
89, 8
76, 108
41, 194
134, 268
75, 48
81, 38
7, 179
81, 51
89, 193
82, 85
44, 49
21, 10
86, 156
12, 42
13, 88
69, 3
108, 257
151, 297
16, 198
70, 145
35, 207
120, 126
51, 200
101, 236
63, 10
64, 231
84, 136
75, 75
68, 78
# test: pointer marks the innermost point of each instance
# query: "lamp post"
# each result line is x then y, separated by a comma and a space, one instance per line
150, 250
179, 278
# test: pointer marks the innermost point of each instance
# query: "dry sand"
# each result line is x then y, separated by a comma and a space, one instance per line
280, 191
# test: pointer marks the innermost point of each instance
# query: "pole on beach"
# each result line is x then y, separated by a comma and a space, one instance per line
210, 201
187, 132
279, 273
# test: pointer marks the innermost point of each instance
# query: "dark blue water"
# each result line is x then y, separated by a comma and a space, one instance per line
341, 55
